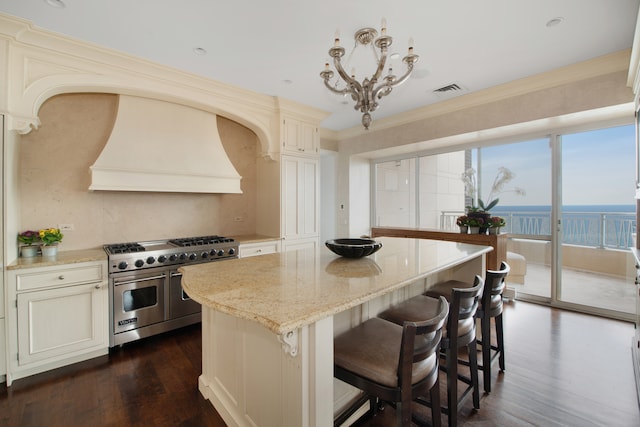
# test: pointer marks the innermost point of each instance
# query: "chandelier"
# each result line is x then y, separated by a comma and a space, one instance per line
372, 89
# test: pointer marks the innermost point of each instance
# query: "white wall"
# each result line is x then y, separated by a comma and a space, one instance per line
441, 188
360, 196
328, 195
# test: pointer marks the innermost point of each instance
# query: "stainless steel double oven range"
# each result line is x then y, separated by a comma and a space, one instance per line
145, 293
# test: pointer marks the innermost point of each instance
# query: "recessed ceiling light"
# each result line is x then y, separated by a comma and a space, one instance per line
199, 51
555, 21
287, 81
56, 3
394, 55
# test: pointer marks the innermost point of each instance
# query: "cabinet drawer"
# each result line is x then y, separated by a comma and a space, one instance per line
263, 248
1, 299
59, 276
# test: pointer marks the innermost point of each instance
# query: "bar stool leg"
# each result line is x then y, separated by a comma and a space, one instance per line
500, 336
452, 385
434, 395
485, 325
473, 368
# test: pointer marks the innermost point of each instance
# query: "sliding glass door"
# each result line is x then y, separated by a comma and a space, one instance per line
568, 204
597, 212
525, 203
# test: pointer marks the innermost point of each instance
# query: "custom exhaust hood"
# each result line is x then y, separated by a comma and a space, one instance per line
163, 147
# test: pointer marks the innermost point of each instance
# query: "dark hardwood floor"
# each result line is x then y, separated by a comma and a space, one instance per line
563, 369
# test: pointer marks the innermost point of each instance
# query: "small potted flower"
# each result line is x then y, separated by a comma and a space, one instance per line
463, 222
495, 223
28, 238
50, 238
475, 224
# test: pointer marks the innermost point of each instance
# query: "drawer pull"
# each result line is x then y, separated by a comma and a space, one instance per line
61, 277
98, 286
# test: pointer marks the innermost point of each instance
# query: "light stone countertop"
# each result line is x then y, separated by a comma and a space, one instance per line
288, 290
63, 257
253, 238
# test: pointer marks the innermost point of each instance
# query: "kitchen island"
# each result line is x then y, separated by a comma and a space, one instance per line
268, 322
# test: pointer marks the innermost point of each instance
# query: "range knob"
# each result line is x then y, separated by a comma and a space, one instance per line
139, 263
193, 257
183, 256
162, 258
232, 251
151, 260
220, 252
213, 252
204, 255
123, 265
173, 257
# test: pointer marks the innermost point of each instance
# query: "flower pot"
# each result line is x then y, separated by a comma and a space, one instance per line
464, 229
474, 230
28, 251
49, 250
494, 230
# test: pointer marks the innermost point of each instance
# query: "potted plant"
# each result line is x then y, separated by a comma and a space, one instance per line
463, 222
28, 238
475, 223
50, 238
495, 223
503, 177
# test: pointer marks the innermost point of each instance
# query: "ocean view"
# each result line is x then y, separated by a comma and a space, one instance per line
567, 208
610, 226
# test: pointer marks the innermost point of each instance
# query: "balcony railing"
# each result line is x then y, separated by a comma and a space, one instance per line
595, 229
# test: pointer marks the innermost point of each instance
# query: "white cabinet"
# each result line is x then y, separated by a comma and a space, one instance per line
295, 244
3, 360
300, 137
300, 198
259, 248
57, 315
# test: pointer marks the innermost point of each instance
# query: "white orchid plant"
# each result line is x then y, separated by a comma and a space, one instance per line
503, 177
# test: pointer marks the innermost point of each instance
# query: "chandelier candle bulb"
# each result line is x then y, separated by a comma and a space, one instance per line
383, 26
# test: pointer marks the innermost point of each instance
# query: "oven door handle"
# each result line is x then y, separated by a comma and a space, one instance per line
145, 279
176, 274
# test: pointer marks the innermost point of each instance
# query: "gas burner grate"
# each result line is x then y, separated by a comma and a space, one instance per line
199, 241
125, 248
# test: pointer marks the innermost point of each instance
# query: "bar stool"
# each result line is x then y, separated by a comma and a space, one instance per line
460, 332
392, 363
491, 306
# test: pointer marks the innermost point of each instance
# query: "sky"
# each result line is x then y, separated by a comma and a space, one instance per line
598, 168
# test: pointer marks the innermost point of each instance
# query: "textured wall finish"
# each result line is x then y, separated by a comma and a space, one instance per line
54, 180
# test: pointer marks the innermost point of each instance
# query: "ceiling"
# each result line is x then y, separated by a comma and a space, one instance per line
279, 47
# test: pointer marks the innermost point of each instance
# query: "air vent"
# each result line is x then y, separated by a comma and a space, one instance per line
450, 91
449, 88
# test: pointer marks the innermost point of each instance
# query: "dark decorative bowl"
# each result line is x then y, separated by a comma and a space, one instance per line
353, 248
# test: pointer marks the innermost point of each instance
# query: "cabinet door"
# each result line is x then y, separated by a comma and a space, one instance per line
290, 135
3, 360
300, 138
308, 138
300, 197
308, 198
61, 322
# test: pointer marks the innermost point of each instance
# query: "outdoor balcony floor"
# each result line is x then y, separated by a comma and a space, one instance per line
581, 287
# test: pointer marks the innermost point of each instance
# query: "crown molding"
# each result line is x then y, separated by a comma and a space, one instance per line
606, 64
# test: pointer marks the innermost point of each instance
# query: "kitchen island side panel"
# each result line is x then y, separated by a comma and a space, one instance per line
251, 381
